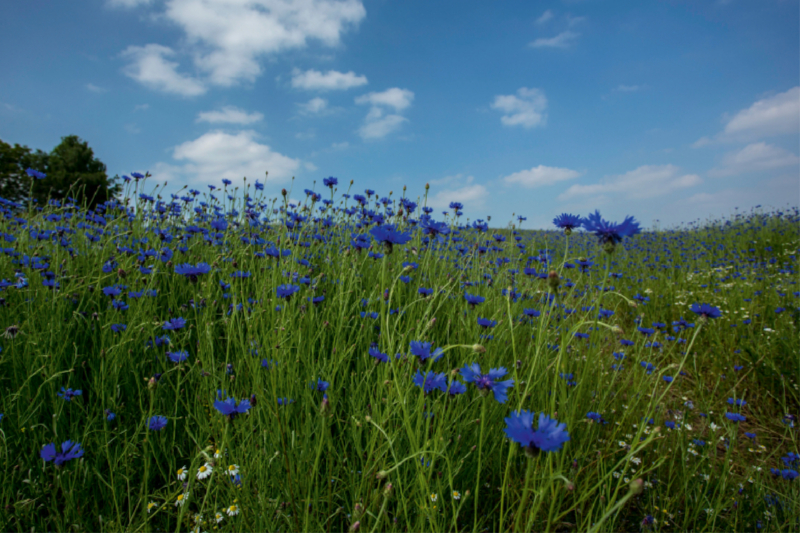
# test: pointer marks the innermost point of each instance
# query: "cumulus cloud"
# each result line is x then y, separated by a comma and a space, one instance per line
770, 116
647, 181
128, 3
540, 176
315, 106
217, 155
755, 157
329, 81
565, 39
526, 109
377, 123
226, 37
230, 115
149, 68
458, 188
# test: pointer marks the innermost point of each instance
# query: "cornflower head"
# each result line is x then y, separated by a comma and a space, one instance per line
488, 382
568, 222
430, 381
549, 437
610, 233
69, 450
174, 324
706, 310
157, 423
423, 351
69, 394
230, 408
178, 357
286, 291
388, 235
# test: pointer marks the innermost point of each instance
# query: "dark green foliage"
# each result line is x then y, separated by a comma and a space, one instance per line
71, 168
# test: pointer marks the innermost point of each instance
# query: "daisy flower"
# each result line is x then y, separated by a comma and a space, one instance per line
456, 495
218, 517
182, 473
217, 454
204, 471
434, 497
181, 499
152, 505
233, 510
233, 470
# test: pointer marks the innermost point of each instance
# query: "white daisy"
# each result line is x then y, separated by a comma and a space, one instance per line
456, 495
182, 474
204, 471
233, 510
233, 470
152, 505
181, 499
218, 517
434, 497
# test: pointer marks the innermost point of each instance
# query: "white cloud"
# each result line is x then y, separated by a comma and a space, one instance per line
315, 106
305, 135
310, 166
132, 128
229, 114
340, 146
565, 39
377, 124
648, 181
459, 189
774, 115
217, 155
226, 37
755, 157
628, 88
141, 107
330, 81
149, 68
395, 97
128, 3
547, 15
540, 176
95, 88
526, 110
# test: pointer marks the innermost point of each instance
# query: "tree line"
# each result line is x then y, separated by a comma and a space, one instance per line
71, 171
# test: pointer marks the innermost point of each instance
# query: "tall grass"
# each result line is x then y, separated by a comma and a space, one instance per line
373, 451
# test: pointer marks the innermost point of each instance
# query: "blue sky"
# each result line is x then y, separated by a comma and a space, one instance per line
671, 111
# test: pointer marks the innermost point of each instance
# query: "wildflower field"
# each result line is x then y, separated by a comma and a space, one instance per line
220, 360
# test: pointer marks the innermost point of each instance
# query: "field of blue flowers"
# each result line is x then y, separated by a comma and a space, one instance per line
219, 360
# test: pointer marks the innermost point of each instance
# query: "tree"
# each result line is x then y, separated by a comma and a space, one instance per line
72, 172
14, 182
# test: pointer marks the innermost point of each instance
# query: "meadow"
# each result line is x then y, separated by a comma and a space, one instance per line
218, 360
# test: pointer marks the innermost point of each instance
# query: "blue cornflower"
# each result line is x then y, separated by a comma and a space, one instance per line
230, 408
374, 352
35, 174
533, 313
178, 357
118, 328
488, 382
486, 323
430, 381
286, 291
610, 232
735, 417
668, 379
597, 417
157, 423
456, 387
191, 272
285, 401
474, 300
69, 394
568, 222
423, 351
738, 402
389, 236
109, 415
320, 385
626, 342
646, 331
549, 437
69, 450
174, 324
706, 310
648, 366
791, 459
330, 182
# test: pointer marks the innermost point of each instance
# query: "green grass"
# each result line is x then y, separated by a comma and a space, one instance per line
381, 455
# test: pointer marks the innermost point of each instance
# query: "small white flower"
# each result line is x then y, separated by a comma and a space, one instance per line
204, 471
218, 517
198, 518
217, 454
182, 473
233, 470
181, 499
233, 510
709, 511
713, 426
636, 460
456, 495
434, 497
152, 505
616, 475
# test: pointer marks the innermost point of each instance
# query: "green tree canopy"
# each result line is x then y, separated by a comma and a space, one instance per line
71, 170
